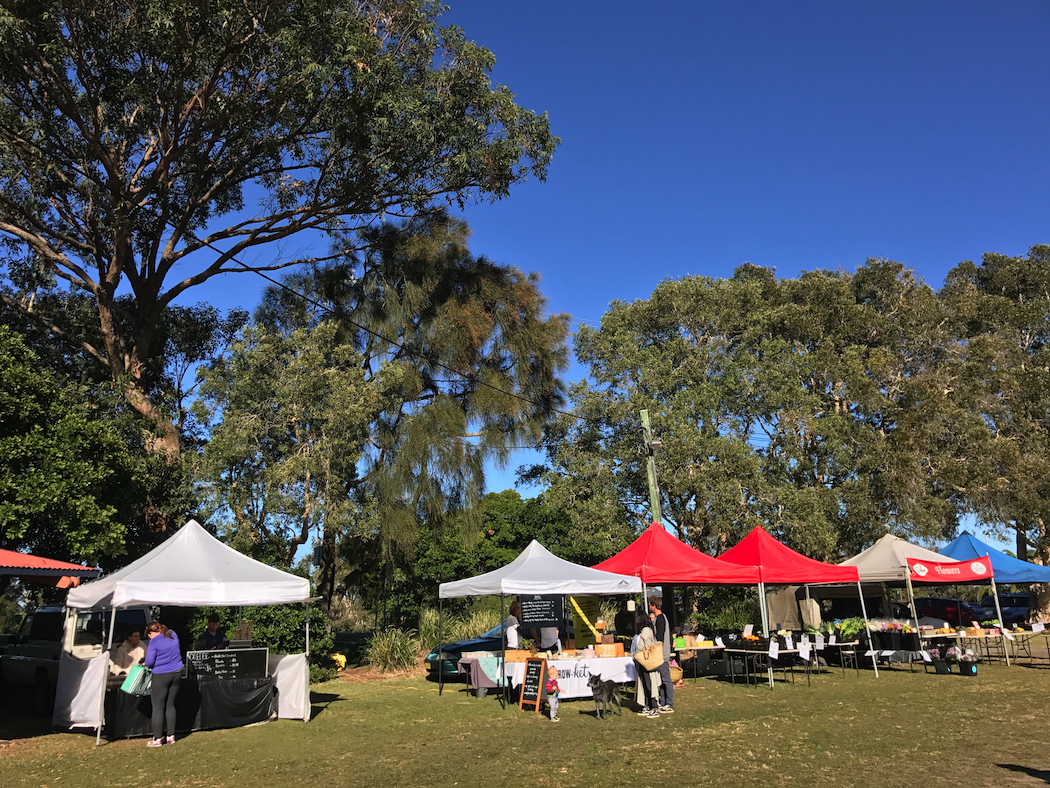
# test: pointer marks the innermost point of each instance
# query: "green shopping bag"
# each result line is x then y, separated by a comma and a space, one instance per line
138, 680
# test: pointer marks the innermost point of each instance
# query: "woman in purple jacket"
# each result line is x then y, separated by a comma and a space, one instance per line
163, 658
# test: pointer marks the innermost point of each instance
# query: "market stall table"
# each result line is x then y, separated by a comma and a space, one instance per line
482, 671
754, 659
573, 673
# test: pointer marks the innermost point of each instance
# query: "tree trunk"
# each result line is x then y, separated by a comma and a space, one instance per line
1039, 593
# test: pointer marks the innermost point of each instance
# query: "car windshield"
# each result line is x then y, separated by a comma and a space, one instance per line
495, 632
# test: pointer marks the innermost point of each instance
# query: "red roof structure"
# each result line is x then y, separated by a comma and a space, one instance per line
778, 563
657, 557
45, 571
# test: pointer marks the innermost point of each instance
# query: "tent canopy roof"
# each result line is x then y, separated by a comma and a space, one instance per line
778, 563
886, 560
1007, 569
538, 571
189, 569
658, 557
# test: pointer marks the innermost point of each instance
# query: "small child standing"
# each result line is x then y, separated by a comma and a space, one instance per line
553, 692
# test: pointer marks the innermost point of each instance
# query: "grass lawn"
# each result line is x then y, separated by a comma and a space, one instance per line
902, 729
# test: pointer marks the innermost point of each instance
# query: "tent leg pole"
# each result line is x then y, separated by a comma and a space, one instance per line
105, 678
307, 631
441, 659
1002, 624
504, 698
764, 612
867, 629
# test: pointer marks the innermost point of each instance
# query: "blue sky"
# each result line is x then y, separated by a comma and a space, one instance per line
700, 136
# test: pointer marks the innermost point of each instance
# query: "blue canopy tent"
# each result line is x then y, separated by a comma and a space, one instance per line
1007, 568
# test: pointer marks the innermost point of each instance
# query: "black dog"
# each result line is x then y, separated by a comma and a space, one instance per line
605, 692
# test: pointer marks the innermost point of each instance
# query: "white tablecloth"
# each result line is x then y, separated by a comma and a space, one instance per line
573, 673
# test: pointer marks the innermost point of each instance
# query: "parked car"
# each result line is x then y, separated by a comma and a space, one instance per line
451, 652
31, 661
1013, 606
849, 607
954, 611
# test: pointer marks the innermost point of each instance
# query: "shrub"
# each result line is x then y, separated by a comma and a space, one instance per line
394, 649
732, 616
476, 622
428, 629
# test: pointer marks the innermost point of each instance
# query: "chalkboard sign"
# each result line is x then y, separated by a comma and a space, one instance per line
219, 665
540, 610
533, 683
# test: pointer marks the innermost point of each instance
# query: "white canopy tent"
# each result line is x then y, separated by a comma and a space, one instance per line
886, 562
192, 568
536, 571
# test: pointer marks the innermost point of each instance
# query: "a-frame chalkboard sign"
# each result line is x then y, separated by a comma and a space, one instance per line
534, 683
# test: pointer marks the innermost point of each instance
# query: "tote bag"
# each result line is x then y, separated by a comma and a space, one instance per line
651, 657
138, 680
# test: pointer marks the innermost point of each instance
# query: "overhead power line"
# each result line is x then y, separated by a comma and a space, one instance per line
407, 350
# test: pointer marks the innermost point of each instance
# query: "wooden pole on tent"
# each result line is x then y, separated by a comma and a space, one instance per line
1002, 624
867, 629
105, 678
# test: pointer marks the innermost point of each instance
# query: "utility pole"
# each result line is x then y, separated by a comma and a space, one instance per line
650, 447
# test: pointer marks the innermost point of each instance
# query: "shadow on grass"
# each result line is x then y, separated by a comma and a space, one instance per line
319, 701
19, 718
1039, 774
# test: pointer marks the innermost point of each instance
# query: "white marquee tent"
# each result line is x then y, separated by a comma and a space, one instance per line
190, 569
886, 561
538, 571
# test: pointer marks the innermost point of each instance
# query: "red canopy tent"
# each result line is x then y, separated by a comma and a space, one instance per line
44, 570
658, 557
778, 563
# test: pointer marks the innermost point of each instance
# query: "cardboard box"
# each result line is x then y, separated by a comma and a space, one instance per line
607, 649
517, 655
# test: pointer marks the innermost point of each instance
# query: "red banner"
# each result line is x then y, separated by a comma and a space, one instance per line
950, 571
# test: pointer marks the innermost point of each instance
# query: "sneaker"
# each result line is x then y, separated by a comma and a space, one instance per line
154, 743
170, 740
666, 710
555, 719
643, 713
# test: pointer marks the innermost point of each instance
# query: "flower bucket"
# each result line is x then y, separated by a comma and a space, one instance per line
968, 668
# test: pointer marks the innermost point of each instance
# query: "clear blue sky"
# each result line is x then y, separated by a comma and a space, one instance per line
699, 136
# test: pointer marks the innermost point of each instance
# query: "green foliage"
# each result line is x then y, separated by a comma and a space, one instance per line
819, 408
849, 628
292, 413
450, 552
393, 649
128, 130
728, 615
68, 478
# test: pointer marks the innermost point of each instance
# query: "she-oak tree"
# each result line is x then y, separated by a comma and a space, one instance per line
140, 138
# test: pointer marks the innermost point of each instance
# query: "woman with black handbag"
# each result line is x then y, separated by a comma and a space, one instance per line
645, 650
